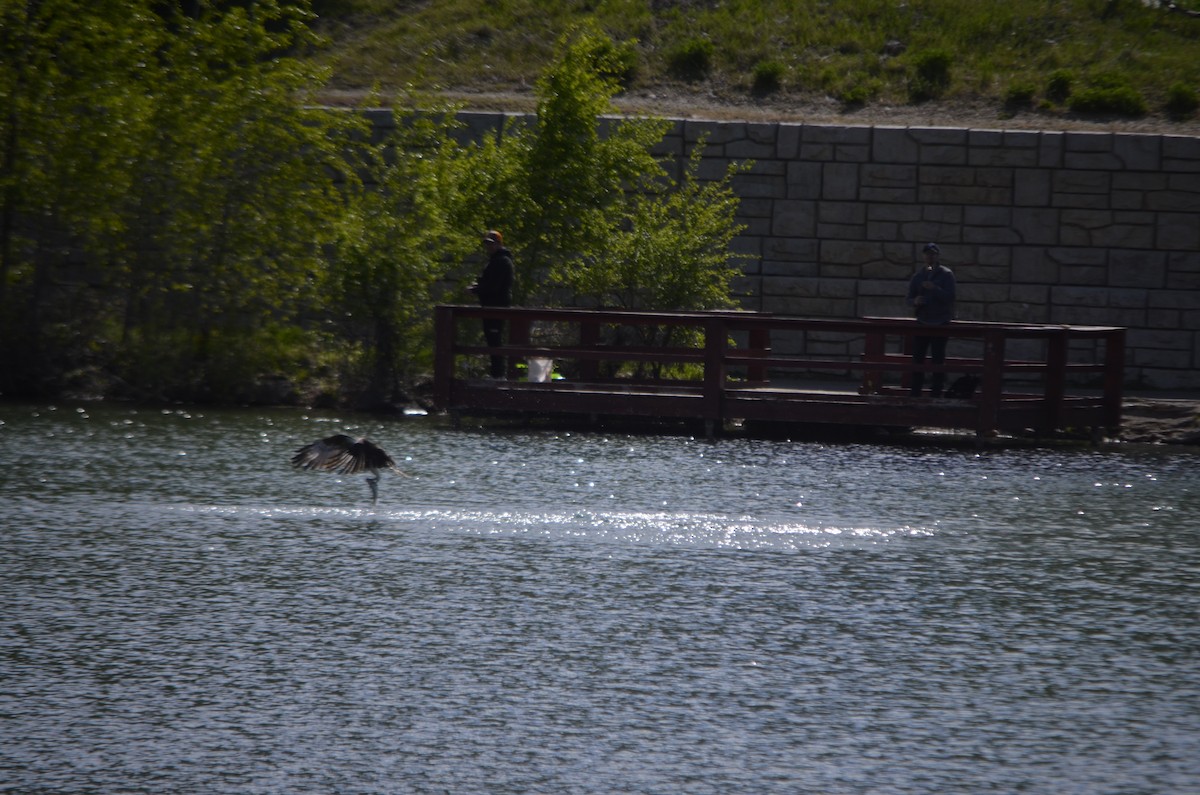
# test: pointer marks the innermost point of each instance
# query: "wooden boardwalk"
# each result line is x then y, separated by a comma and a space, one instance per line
720, 367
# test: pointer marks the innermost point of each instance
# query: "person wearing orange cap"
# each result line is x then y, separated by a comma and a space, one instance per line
494, 288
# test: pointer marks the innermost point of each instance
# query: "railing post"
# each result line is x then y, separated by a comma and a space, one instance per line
518, 335
443, 355
715, 335
589, 339
1056, 379
873, 351
1114, 377
992, 383
760, 343
906, 348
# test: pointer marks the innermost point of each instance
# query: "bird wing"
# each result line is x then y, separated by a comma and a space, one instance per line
331, 454
369, 456
344, 455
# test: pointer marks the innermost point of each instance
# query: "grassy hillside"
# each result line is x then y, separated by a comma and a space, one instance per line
1120, 58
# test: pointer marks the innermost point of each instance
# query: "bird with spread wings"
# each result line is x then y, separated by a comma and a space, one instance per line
346, 455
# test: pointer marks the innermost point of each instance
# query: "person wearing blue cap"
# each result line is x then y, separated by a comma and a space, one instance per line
931, 293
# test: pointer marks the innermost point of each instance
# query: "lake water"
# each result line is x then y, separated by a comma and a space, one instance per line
553, 612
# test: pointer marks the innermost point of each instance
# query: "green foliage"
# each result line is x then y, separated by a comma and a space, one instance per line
991, 45
1182, 101
1059, 85
691, 59
669, 248
553, 188
591, 214
768, 77
396, 239
1108, 94
196, 183
1019, 96
931, 74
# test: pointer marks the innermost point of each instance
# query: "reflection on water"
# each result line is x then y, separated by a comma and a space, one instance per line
564, 613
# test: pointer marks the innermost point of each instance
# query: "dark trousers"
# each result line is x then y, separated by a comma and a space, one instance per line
935, 347
493, 332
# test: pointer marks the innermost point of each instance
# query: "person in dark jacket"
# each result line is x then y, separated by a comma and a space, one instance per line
931, 293
494, 288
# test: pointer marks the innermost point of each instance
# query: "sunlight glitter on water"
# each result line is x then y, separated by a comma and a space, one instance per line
679, 529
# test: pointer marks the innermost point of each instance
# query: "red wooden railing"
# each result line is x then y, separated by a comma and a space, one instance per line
745, 379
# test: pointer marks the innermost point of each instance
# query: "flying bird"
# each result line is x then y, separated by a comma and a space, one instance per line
346, 456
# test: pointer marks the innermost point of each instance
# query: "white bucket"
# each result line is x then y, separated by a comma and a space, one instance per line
539, 369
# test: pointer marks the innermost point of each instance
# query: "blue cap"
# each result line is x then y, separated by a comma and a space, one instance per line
932, 247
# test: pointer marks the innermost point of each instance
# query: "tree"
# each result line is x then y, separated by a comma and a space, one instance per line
168, 185
239, 192
590, 211
398, 237
75, 112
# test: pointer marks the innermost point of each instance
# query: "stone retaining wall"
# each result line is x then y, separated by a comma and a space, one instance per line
1090, 228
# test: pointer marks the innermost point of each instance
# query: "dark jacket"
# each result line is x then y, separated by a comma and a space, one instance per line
495, 285
938, 306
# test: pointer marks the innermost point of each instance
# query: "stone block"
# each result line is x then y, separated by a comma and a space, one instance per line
1128, 230
1172, 299
772, 268
889, 288
990, 234
1083, 274
994, 256
894, 212
1174, 200
842, 212
794, 218
850, 252
1183, 272
1032, 266
1078, 296
1050, 149
787, 141
1073, 181
756, 207
1037, 227
1181, 154
946, 175
1138, 152
792, 249
758, 185
888, 195
941, 194
1078, 256
839, 181
714, 133
1142, 269
987, 216
804, 180
842, 231
1177, 232
1031, 187
894, 145
888, 176
791, 287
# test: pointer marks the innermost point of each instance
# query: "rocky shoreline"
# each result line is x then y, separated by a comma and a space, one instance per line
1173, 421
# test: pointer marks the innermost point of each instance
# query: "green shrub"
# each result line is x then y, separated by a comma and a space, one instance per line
1107, 94
618, 60
768, 77
931, 75
1058, 87
856, 91
691, 60
1019, 95
1182, 101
